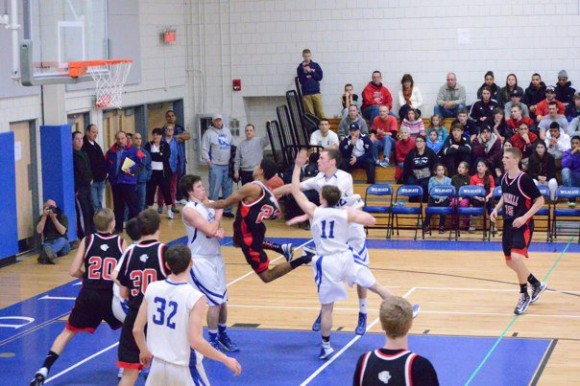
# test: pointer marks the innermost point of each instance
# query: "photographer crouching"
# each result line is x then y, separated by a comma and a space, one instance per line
52, 225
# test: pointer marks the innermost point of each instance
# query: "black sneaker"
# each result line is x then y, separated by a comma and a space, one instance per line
228, 215
50, 255
39, 377
523, 304
537, 291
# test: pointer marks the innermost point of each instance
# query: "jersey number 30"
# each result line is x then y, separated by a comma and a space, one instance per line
163, 308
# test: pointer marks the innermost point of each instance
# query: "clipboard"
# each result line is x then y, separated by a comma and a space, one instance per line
127, 164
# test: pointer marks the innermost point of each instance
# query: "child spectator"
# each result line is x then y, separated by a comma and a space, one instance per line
414, 124
433, 141
437, 124
439, 178
457, 181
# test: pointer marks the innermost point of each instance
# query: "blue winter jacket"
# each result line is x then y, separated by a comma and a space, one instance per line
116, 175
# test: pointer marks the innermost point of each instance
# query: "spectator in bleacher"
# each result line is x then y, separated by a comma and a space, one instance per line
498, 164
469, 126
403, 146
324, 136
309, 75
571, 165
505, 93
433, 141
144, 173
451, 98
542, 168
249, 154
489, 82
486, 146
573, 109
574, 127
457, 181
482, 110
439, 179
516, 119
542, 106
383, 134
352, 117
498, 124
439, 127
349, 98
216, 145
409, 96
534, 94
414, 123
482, 177
524, 140
550, 118
456, 148
516, 99
357, 153
418, 165
564, 90
375, 95
557, 141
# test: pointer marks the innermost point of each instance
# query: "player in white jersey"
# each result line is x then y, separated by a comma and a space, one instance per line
208, 274
330, 175
173, 312
334, 262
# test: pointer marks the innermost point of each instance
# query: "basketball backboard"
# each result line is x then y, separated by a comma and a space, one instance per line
57, 32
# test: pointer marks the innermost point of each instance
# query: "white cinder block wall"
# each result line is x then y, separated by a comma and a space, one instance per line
260, 42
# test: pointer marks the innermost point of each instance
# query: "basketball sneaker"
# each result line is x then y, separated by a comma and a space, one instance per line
50, 255
170, 215
326, 350
288, 250
215, 343
39, 377
537, 291
316, 324
416, 309
120, 373
523, 303
160, 209
361, 327
227, 344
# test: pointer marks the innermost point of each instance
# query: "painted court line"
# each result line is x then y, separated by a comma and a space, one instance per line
70, 368
499, 339
346, 347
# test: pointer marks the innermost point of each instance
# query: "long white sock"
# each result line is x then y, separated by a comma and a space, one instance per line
362, 305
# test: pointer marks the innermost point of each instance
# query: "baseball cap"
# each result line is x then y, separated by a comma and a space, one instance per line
485, 127
516, 93
217, 116
353, 126
550, 89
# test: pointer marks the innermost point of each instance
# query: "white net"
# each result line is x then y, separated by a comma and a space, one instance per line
110, 79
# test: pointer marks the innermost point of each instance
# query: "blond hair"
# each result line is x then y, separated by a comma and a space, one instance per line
103, 219
396, 316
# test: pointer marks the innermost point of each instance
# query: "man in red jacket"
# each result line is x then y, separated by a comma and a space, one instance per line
374, 95
542, 107
524, 139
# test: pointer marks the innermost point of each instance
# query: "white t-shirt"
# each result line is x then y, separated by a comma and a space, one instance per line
156, 165
340, 178
331, 139
168, 307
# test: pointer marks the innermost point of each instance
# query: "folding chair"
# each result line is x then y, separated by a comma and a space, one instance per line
545, 212
400, 208
378, 201
567, 193
442, 191
471, 191
494, 228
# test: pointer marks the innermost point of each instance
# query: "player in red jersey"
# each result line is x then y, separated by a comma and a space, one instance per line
256, 204
520, 200
98, 253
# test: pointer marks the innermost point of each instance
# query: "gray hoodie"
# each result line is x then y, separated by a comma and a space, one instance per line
250, 153
216, 146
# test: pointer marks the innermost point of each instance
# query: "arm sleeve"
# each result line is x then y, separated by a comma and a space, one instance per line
462, 95
264, 141
441, 96
401, 98
238, 158
423, 373
205, 147
364, 128
317, 75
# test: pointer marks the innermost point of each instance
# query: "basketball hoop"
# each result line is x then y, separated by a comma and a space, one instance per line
110, 77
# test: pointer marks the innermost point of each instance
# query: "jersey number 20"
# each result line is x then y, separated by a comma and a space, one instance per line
99, 267
164, 307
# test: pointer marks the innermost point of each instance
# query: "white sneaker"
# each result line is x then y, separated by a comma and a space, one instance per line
120, 373
183, 201
326, 350
170, 214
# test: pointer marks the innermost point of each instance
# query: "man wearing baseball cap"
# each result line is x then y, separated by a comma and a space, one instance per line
542, 107
216, 145
516, 99
357, 153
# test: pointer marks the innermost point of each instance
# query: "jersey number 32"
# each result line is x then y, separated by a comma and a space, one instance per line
165, 312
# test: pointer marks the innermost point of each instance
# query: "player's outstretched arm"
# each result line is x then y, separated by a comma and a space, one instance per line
198, 343
243, 192
360, 217
297, 219
282, 191
301, 199
77, 263
139, 335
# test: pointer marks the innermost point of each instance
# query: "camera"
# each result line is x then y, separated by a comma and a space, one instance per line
53, 209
